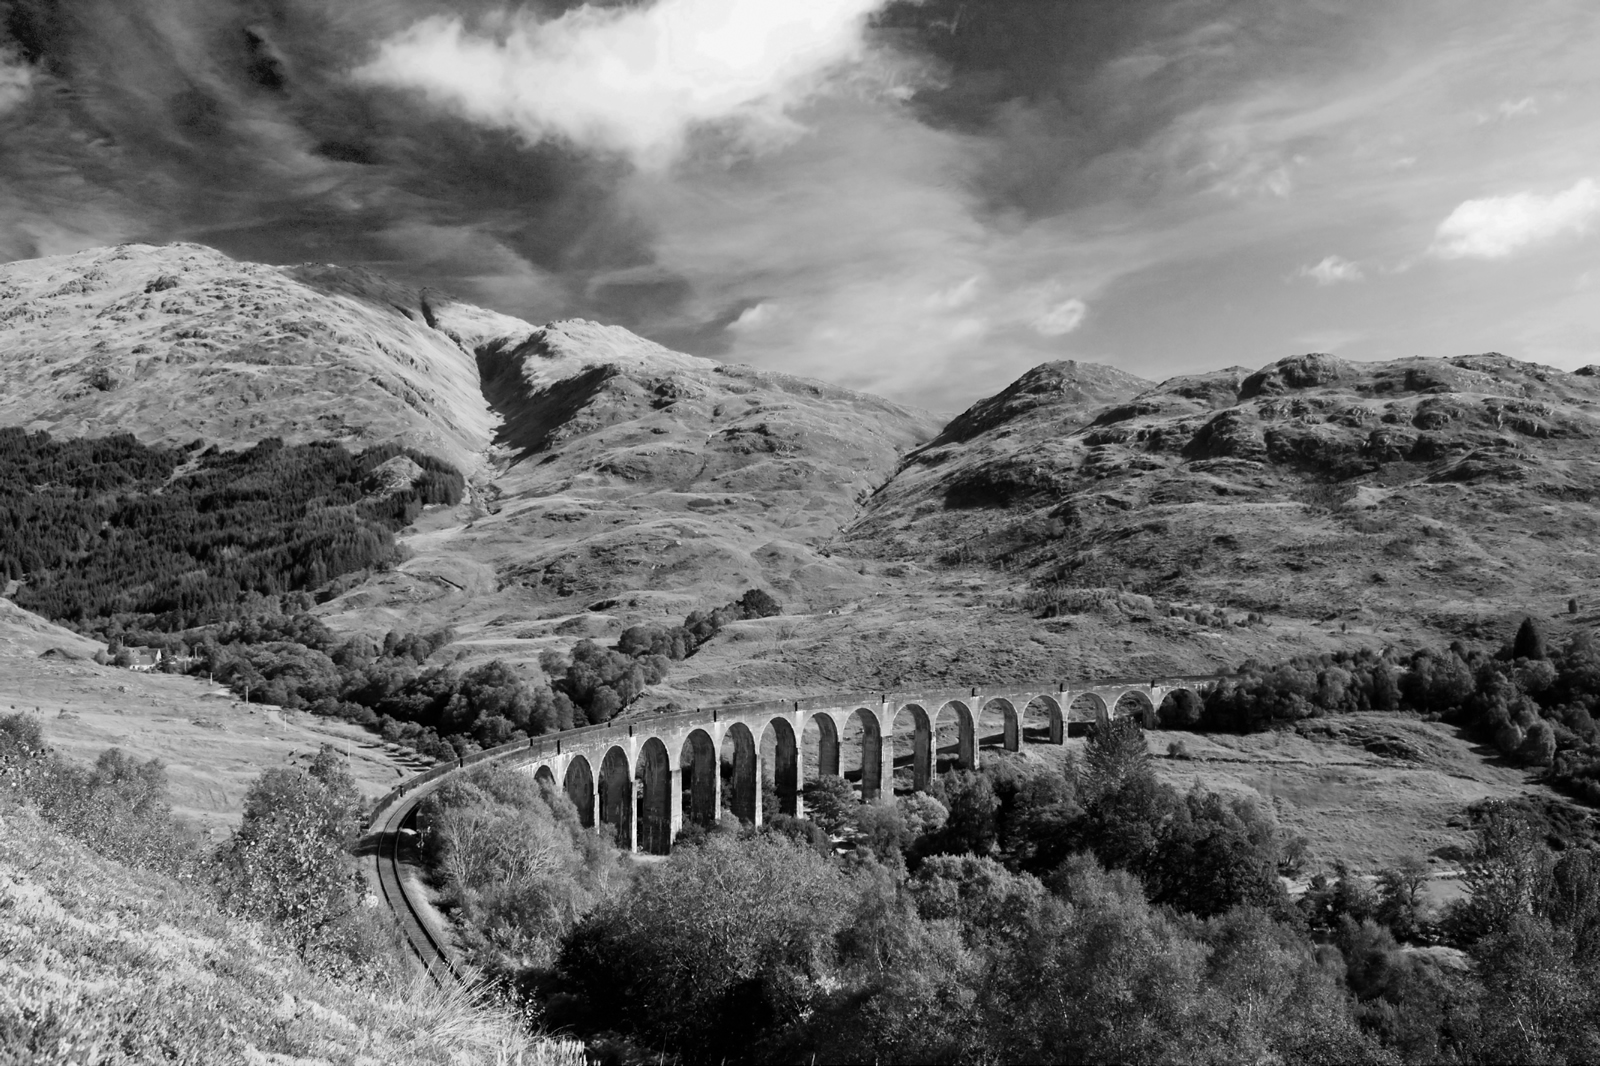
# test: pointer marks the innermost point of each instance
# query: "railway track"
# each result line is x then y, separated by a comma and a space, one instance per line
435, 958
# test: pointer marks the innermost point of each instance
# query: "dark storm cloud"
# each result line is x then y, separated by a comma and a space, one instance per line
1066, 92
237, 124
921, 199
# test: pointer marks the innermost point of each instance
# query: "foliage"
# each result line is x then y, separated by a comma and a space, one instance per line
287, 860
107, 964
714, 948
110, 533
118, 807
680, 642
1533, 701
514, 861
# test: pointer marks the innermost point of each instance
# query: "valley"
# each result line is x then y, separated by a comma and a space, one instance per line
413, 530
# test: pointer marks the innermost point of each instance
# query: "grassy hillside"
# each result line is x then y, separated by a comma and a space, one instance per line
103, 964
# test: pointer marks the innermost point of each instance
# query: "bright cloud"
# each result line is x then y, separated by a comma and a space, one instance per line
1514, 108
16, 81
633, 79
1332, 270
1496, 226
1061, 319
755, 316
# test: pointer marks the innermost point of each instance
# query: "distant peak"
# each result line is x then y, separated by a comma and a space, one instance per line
573, 343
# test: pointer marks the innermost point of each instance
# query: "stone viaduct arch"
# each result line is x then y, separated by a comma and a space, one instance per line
642, 780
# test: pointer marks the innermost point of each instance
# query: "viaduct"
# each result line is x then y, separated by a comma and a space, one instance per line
642, 779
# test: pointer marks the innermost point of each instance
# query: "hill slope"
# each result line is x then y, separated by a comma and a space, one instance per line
180, 342
108, 964
1419, 494
1081, 521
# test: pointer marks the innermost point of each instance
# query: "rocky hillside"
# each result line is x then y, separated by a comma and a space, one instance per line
1415, 495
1081, 521
607, 471
180, 342
632, 481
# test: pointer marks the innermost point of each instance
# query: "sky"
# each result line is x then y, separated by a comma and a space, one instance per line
918, 199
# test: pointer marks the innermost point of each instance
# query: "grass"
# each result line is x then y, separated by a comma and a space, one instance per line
213, 747
100, 963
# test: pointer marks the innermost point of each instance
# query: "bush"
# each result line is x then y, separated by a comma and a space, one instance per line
287, 862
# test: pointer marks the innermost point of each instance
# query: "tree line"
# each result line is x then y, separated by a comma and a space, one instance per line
1020, 914
398, 687
108, 533
1534, 701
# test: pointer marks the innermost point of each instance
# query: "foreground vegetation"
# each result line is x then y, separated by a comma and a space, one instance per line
1021, 914
126, 938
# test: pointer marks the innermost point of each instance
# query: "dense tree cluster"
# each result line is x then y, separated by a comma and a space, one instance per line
1026, 915
513, 862
680, 642
396, 687
1531, 700
110, 532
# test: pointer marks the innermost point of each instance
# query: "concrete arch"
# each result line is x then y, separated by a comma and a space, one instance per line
702, 779
616, 795
827, 757
1048, 708
872, 775
579, 787
785, 764
740, 743
961, 721
1135, 703
1010, 723
918, 727
545, 776
1084, 710
654, 789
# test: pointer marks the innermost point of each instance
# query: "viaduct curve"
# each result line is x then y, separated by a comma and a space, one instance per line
642, 779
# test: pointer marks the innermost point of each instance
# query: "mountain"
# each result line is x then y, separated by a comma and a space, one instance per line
1080, 522
179, 342
1406, 496
605, 471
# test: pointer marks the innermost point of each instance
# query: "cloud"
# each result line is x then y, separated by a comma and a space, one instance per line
636, 80
1496, 226
1514, 108
16, 81
1332, 270
1061, 319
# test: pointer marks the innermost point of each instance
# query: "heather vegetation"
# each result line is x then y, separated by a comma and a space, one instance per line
1534, 702
287, 864
129, 939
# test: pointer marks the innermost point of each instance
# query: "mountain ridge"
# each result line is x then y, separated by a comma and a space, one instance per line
1077, 521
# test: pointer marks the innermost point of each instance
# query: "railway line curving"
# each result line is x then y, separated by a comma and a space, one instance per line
674, 757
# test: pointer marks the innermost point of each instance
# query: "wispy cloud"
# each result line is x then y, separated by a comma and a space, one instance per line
1060, 319
636, 80
1516, 108
1332, 270
16, 80
1497, 226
